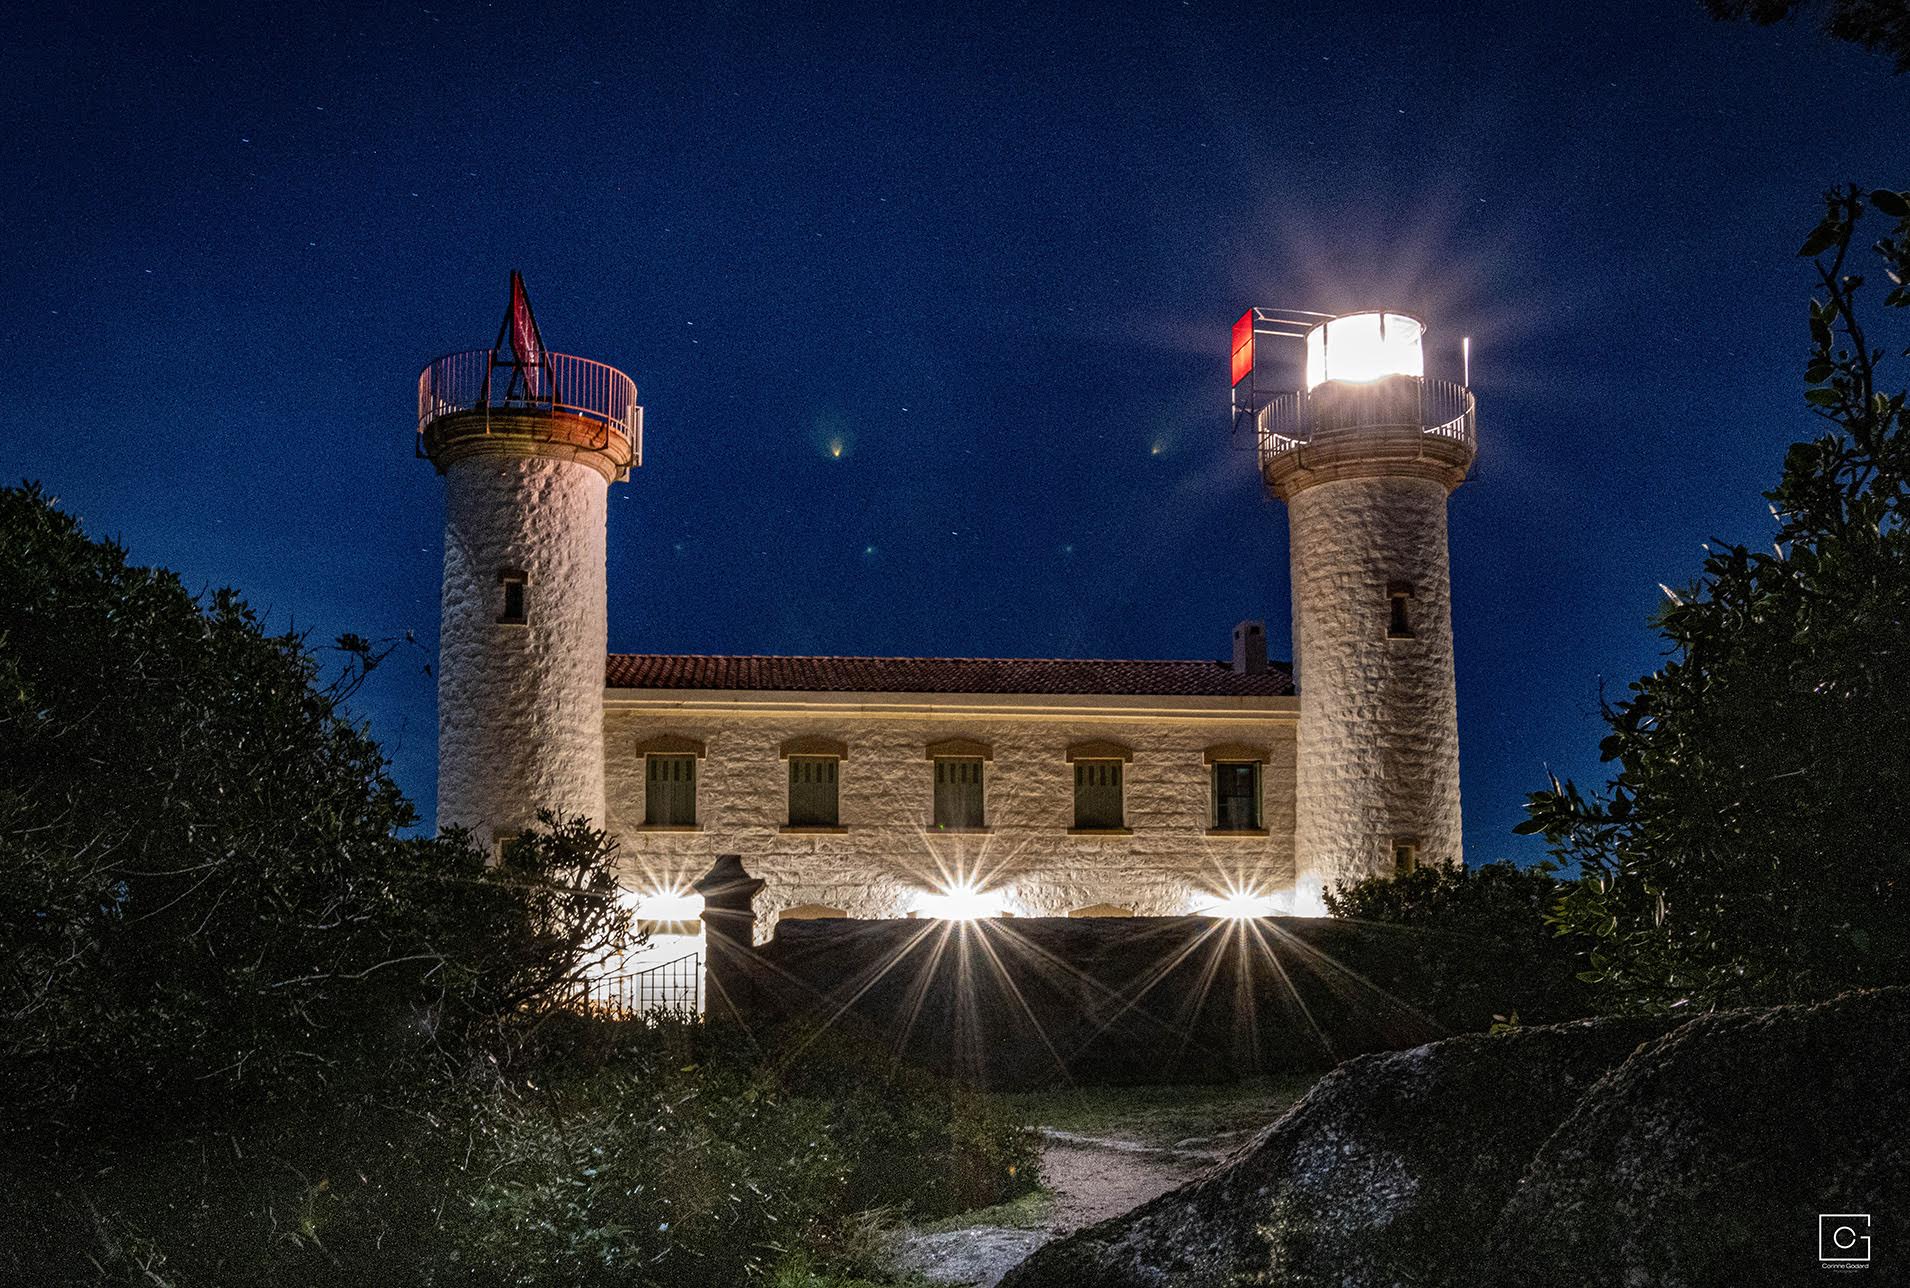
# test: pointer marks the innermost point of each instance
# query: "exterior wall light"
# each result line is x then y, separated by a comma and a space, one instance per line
960, 901
1236, 903
678, 904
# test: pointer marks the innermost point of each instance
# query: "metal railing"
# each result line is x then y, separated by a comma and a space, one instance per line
1445, 409
673, 986
487, 378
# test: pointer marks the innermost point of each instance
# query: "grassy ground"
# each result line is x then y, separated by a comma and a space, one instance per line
1161, 1116
1029, 1212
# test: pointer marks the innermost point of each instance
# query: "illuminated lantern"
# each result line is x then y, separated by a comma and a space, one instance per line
1363, 347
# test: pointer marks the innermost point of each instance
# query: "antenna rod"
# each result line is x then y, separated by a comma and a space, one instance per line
1465, 347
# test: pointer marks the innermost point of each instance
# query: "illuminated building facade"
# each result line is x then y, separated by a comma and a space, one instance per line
885, 787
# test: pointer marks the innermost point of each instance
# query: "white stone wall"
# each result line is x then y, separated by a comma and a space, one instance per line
889, 853
1379, 727
520, 708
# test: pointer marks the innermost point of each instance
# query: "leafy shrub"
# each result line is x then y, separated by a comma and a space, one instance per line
916, 1141
688, 1160
1497, 909
692, 1176
350, 1193
204, 898
251, 1035
1749, 846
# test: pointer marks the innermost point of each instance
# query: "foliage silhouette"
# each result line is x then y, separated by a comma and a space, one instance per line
1752, 845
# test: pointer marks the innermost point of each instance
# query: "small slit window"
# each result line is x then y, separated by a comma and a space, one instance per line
1399, 618
812, 792
1097, 795
513, 585
669, 791
958, 792
1405, 856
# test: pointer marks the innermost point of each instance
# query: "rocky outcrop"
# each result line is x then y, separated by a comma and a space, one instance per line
1600, 1153
1708, 1158
1391, 1171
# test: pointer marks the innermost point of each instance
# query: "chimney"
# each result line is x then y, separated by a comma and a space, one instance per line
1250, 648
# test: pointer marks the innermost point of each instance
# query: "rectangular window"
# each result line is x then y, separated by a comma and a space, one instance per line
1097, 794
1405, 857
812, 791
1236, 796
669, 791
514, 593
958, 793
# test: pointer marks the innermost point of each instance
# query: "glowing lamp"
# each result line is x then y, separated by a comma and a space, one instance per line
960, 901
677, 904
1363, 347
1236, 904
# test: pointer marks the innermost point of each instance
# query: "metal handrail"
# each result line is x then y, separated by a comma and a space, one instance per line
1447, 409
672, 986
483, 378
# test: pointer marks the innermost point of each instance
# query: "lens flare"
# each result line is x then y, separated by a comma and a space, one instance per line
960, 901
1238, 902
677, 904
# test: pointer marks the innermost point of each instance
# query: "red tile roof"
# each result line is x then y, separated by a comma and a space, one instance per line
942, 675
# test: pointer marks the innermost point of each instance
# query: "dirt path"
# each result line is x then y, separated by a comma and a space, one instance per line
1091, 1179
1106, 1151
1094, 1179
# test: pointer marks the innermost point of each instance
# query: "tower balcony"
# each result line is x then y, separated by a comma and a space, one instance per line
1412, 425
482, 402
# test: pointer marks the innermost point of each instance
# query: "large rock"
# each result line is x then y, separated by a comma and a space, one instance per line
1391, 1171
1611, 1154
1708, 1158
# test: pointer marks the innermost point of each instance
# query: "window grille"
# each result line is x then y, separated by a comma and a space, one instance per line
1097, 795
958, 793
669, 796
812, 791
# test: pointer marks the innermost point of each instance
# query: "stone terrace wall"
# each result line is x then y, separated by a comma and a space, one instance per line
1033, 1001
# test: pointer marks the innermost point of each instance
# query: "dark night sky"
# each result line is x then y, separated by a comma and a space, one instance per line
994, 254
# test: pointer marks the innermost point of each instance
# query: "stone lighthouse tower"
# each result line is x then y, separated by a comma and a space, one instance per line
528, 442
1364, 458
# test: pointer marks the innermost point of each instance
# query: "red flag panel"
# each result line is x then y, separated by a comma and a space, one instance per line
1243, 347
526, 345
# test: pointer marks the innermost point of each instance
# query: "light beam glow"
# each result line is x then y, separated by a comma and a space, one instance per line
960, 901
1362, 347
1236, 903
676, 904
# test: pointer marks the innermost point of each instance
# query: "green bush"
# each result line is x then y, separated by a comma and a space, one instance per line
916, 1141
687, 1159
627, 1154
205, 900
1496, 911
350, 1192
1748, 848
691, 1176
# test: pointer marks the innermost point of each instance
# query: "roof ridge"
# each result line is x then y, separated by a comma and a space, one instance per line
879, 657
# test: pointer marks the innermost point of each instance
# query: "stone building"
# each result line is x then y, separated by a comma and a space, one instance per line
882, 787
